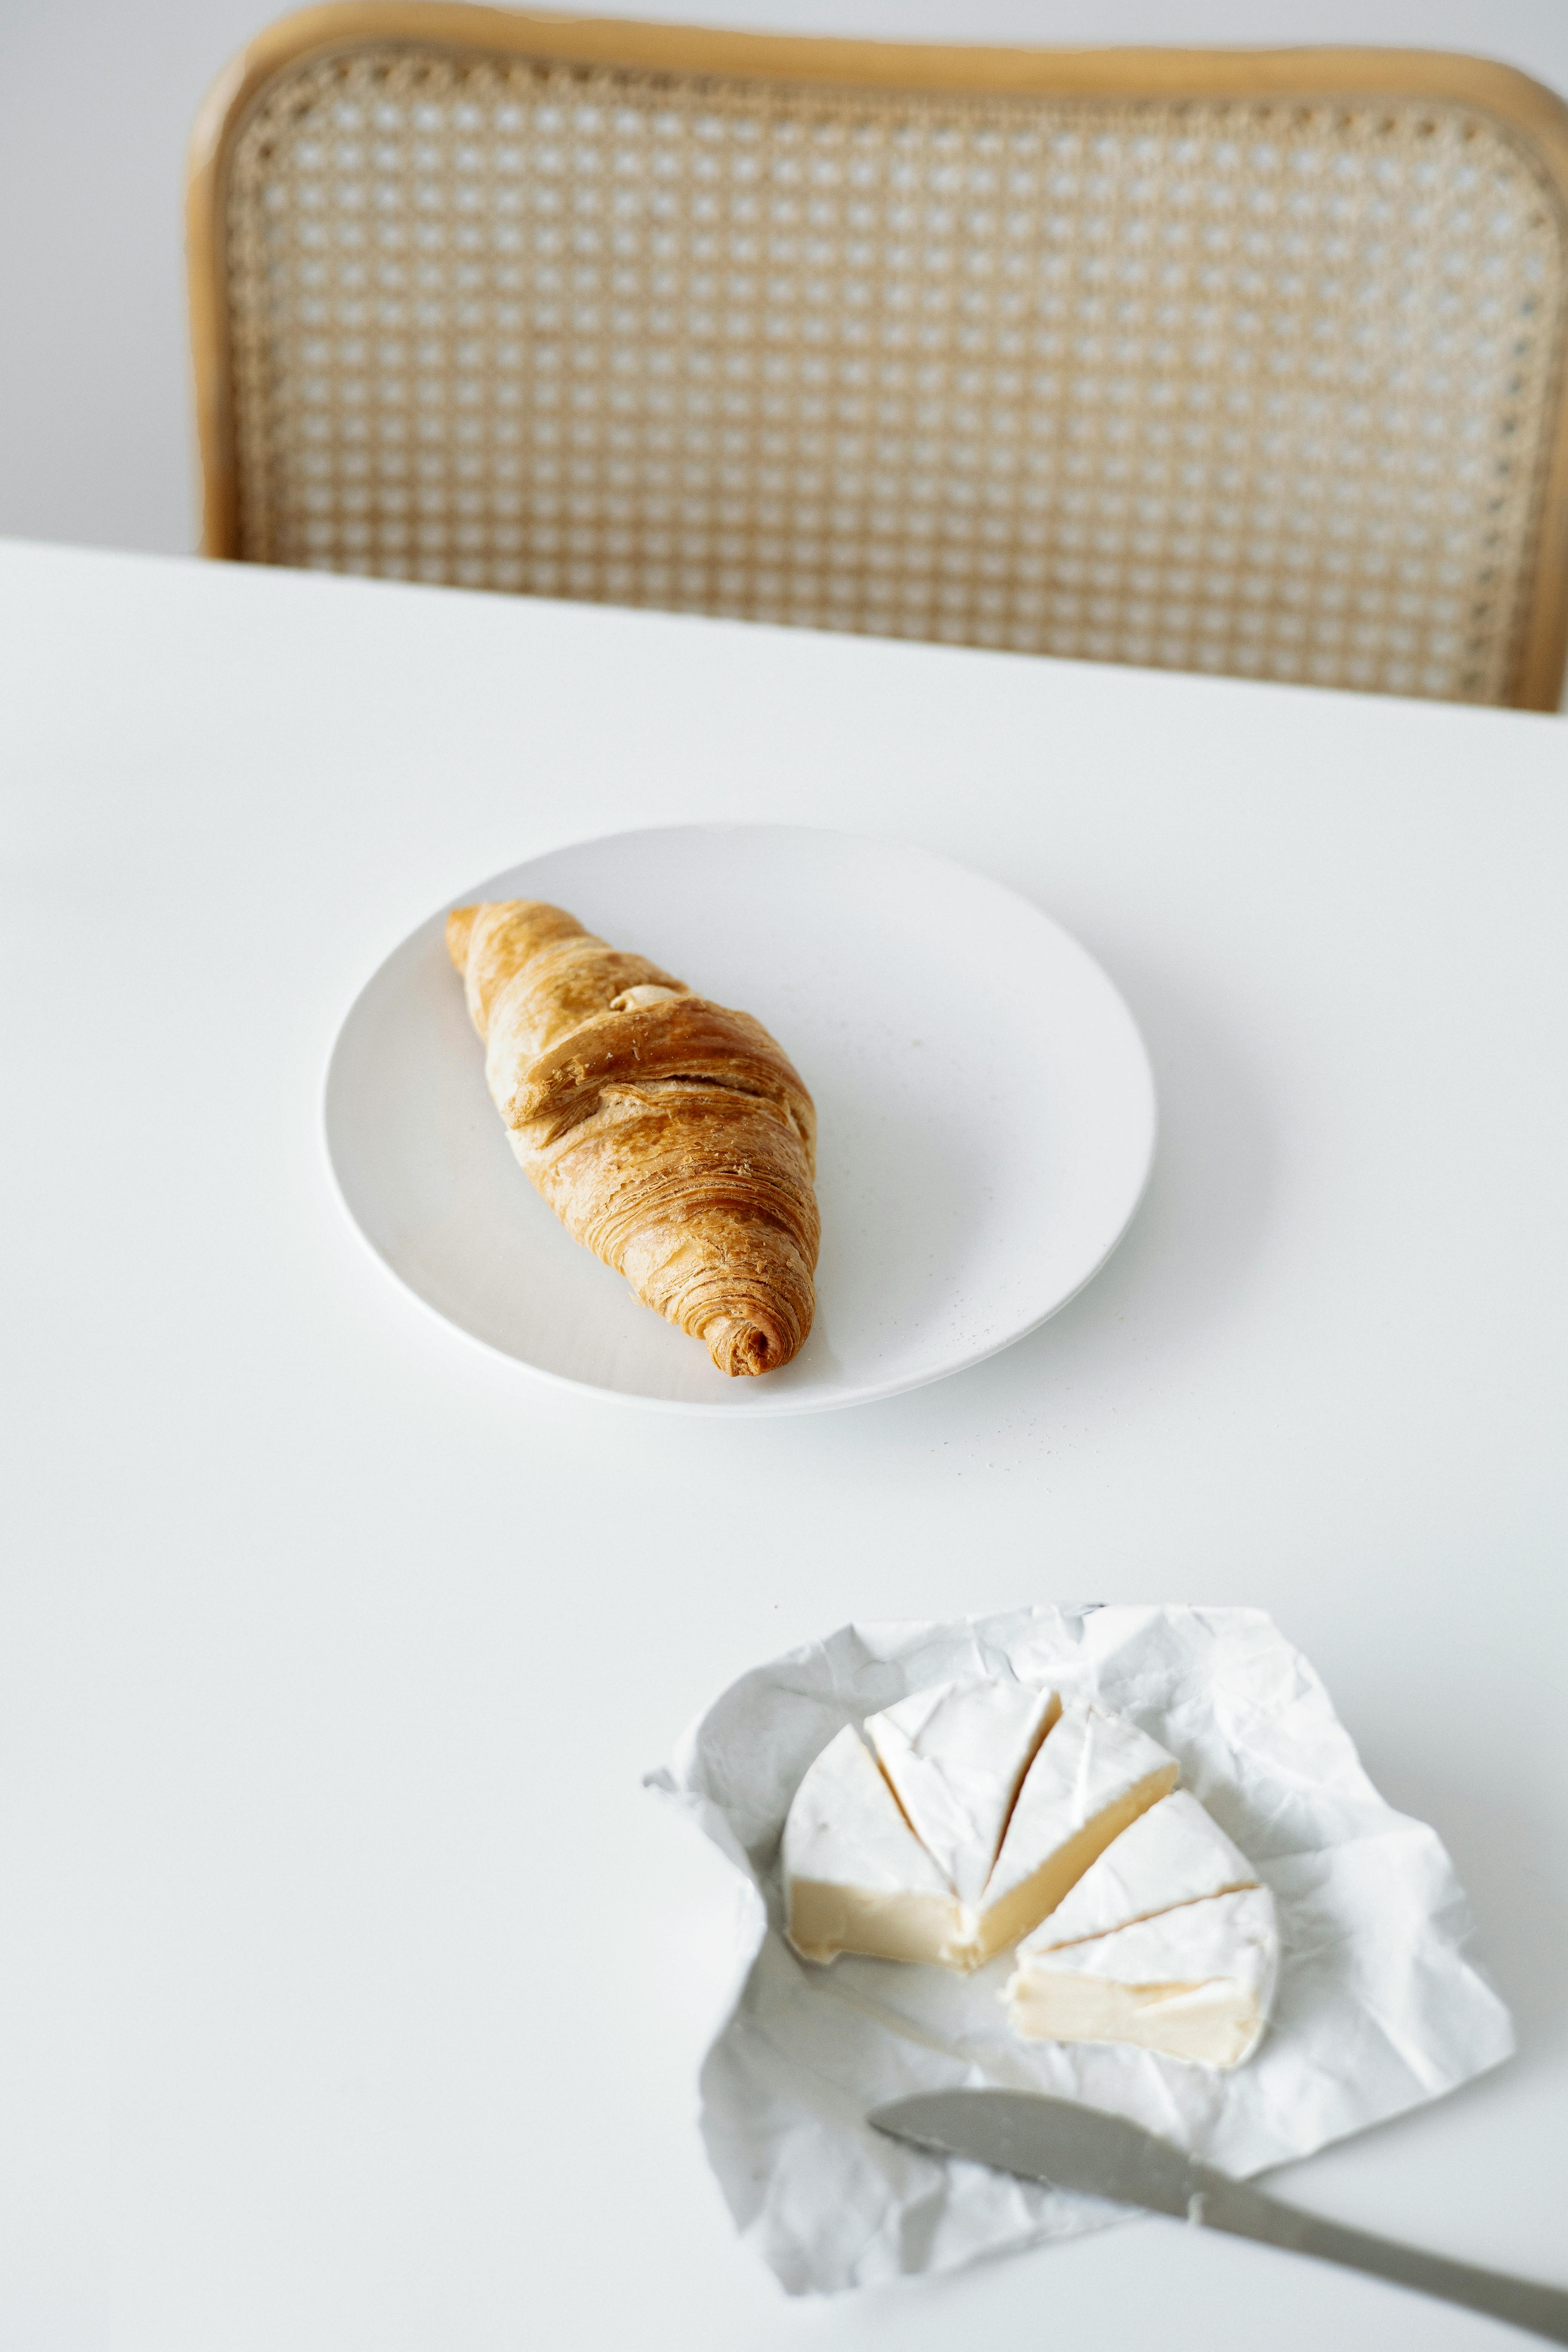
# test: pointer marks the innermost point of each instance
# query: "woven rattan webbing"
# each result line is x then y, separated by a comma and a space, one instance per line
1256, 387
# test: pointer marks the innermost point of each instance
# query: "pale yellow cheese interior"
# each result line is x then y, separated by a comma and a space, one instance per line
1214, 2025
883, 1925
1026, 1904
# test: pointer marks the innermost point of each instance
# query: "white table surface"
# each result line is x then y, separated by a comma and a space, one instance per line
352, 1990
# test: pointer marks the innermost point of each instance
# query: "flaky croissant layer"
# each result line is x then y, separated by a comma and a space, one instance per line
669, 1135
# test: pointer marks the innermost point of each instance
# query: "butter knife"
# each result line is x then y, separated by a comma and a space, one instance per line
1077, 2147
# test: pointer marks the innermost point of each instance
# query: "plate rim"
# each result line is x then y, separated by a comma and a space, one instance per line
781, 1404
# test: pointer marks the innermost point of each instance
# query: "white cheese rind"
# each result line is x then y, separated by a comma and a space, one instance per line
857, 1879
1094, 1775
956, 1756
1173, 1854
1193, 1983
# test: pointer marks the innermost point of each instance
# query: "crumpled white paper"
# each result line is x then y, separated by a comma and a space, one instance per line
1378, 2008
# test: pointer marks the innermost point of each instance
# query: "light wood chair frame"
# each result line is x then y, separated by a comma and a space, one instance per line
1532, 113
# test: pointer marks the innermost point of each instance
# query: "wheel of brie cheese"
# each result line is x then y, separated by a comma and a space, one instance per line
984, 1813
967, 1818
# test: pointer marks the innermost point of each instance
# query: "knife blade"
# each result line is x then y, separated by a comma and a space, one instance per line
1077, 2147
1055, 2140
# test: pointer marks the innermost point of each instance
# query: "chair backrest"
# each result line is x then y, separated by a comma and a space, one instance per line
1217, 361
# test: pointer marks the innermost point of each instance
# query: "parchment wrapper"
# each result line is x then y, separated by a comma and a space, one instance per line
1379, 2008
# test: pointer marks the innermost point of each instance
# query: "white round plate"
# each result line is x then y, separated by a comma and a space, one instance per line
984, 1102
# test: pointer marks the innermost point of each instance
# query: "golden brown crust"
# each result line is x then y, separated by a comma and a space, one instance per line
671, 1134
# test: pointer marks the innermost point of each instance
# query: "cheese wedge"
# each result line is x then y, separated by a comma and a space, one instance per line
1173, 1854
956, 1756
857, 1878
1194, 1982
1094, 1777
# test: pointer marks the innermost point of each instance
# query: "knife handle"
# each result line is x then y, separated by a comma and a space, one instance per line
1223, 2204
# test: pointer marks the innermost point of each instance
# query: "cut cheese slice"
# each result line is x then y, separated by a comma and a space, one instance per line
1173, 1854
857, 1879
1094, 1775
956, 1756
1194, 1982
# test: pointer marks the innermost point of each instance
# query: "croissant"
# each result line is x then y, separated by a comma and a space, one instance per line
669, 1135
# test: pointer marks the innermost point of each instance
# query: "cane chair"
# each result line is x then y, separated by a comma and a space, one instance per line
1212, 361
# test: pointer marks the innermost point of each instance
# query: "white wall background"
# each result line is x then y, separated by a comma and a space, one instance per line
96, 100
